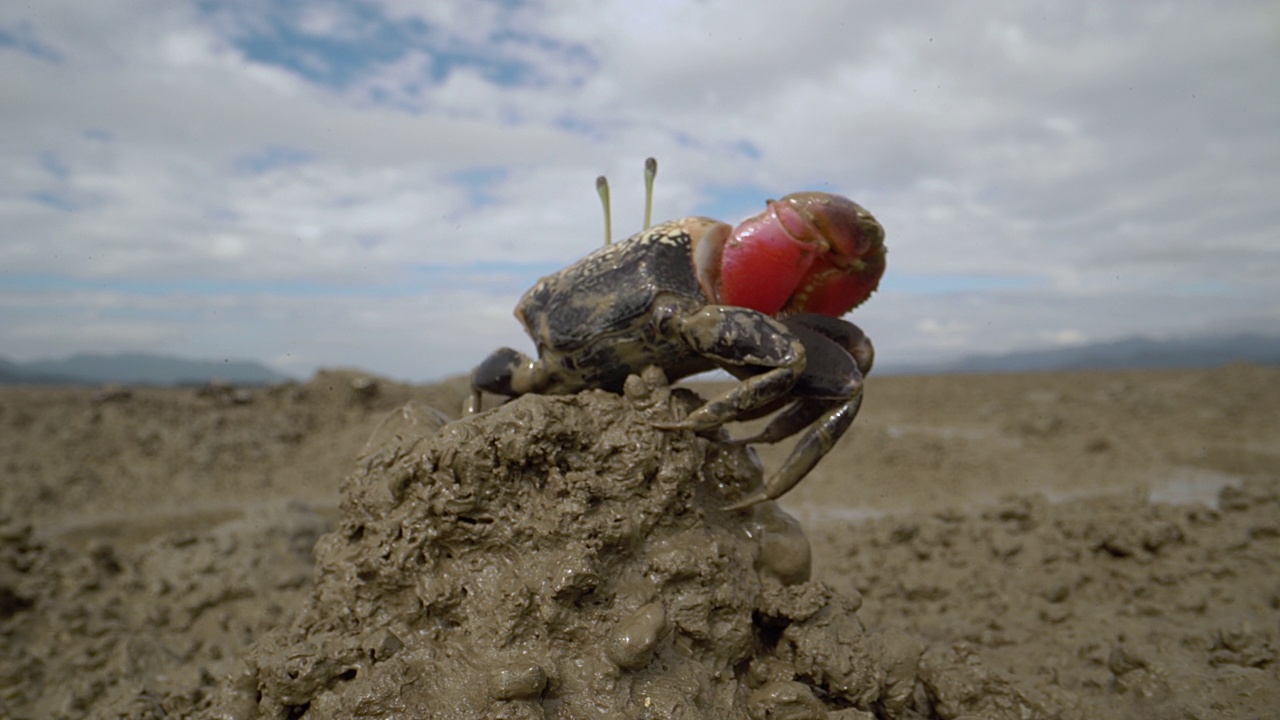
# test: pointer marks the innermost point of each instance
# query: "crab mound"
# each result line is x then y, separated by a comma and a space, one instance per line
561, 557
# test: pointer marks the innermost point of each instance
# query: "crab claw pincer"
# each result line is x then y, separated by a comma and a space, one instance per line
810, 252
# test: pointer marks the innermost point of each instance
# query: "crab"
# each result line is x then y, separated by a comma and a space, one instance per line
762, 301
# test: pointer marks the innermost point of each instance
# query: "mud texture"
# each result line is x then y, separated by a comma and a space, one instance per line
1110, 604
147, 633
563, 557
1064, 545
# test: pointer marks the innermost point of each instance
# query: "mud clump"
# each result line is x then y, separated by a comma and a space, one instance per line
561, 557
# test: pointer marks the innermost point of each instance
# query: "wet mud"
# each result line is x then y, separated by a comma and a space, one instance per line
563, 558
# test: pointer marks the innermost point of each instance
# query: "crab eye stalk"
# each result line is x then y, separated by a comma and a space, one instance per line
650, 172
810, 252
602, 189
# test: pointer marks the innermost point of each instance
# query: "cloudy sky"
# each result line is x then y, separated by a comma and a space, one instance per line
374, 184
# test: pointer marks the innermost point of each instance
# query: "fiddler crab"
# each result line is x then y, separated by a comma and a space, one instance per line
761, 301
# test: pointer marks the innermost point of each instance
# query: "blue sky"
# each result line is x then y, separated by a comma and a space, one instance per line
374, 184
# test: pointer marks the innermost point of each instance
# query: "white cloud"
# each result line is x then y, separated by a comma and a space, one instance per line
1066, 337
1079, 172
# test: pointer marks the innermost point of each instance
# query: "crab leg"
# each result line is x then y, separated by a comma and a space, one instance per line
812, 446
795, 417
832, 375
844, 333
772, 356
829, 391
506, 372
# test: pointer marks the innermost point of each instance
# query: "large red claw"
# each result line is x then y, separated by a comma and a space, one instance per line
810, 252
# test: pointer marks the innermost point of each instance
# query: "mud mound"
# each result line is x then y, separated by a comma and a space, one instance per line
560, 557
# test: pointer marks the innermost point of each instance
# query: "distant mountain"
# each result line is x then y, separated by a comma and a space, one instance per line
1129, 354
12, 373
135, 369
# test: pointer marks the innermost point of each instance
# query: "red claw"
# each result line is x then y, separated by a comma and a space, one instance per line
810, 252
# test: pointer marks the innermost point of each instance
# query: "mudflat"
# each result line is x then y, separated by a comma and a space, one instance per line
1028, 545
